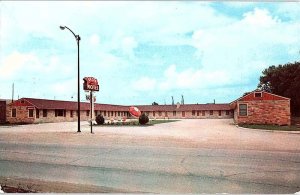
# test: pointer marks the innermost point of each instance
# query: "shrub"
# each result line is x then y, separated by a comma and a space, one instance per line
100, 120
143, 119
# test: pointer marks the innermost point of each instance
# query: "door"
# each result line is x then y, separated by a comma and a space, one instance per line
183, 113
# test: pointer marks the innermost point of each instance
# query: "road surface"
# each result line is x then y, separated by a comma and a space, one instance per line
188, 156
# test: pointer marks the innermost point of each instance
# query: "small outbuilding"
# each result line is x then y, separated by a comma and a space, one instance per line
260, 107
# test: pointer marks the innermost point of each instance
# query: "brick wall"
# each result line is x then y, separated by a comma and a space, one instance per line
21, 115
265, 112
189, 115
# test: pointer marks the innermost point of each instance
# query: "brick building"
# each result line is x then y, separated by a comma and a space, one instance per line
30, 110
259, 107
2, 111
256, 107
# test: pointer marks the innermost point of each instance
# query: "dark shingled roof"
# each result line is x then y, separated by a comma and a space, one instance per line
70, 105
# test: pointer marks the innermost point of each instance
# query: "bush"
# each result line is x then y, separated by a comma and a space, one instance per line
143, 119
100, 120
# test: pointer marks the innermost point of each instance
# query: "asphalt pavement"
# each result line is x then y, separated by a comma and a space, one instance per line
210, 156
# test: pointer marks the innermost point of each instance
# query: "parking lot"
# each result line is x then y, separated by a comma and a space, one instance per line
187, 156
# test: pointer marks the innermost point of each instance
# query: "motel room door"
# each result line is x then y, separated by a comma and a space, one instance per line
2, 111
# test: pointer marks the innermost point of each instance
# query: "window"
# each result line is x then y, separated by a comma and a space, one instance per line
198, 113
203, 112
71, 113
60, 112
87, 113
159, 113
166, 113
174, 113
153, 113
258, 94
30, 113
119, 113
183, 113
193, 112
227, 112
220, 112
104, 113
14, 112
112, 113
243, 109
211, 112
108, 113
45, 113
37, 113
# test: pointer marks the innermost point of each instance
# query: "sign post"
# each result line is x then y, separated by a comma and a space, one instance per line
91, 84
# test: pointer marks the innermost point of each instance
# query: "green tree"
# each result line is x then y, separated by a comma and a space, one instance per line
283, 80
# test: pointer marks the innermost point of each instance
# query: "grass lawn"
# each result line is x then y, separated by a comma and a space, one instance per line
273, 127
136, 123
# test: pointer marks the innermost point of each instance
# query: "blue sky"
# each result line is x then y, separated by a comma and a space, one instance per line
142, 52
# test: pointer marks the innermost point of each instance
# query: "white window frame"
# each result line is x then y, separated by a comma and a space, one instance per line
32, 113
239, 109
257, 93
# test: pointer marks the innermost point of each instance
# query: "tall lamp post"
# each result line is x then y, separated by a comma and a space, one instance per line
77, 37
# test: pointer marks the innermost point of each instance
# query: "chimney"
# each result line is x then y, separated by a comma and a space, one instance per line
214, 101
172, 100
177, 105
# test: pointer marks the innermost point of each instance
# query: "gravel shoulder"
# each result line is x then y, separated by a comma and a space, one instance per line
40, 186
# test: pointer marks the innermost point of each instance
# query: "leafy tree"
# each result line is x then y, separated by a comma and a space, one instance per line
283, 80
100, 120
154, 103
143, 119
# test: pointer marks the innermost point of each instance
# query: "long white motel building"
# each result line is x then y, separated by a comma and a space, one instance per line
30, 110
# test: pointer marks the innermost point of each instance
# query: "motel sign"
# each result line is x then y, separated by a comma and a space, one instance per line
90, 84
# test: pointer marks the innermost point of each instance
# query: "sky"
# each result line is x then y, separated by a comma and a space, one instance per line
145, 51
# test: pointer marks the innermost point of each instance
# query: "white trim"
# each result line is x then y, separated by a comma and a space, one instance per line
261, 94
277, 95
29, 102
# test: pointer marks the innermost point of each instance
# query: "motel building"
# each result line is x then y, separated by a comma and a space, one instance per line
257, 107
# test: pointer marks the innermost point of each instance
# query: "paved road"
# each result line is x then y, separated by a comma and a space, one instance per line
210, 156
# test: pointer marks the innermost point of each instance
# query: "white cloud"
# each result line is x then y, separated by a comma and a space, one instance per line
94, 40
65, 87
128, 44
16, 62
259, 18
144, 84
193, 79
230, 50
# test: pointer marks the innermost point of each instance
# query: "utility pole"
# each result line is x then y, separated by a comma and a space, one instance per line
13, 91
172, 100
91, 102
182, 100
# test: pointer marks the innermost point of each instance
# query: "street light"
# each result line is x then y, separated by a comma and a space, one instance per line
77, 37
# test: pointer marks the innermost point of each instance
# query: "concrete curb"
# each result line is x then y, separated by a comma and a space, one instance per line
271, 131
